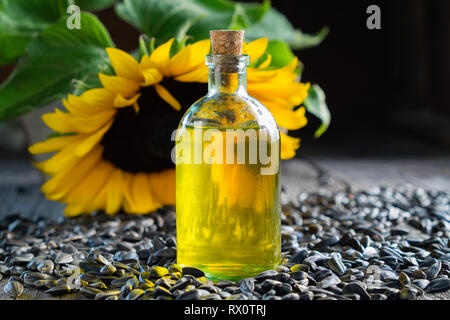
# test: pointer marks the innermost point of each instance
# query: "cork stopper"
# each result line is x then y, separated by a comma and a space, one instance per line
227, 42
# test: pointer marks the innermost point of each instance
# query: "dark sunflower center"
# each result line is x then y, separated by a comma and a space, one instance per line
141, 142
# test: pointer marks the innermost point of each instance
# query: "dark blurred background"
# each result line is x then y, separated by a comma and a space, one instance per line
386, 89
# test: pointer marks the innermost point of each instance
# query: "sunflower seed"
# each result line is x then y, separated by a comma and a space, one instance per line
421, 283
193, 272
212, 296
190, 295
308, 295
329, 281
134, 294
59, 290
355, 287
439, 285
90, 292
247, 285
63, 258
359, 236
403, 279
13, 288
46, 266
419, 274
408, 293
269, 274
161, 291
434, 270
105, 294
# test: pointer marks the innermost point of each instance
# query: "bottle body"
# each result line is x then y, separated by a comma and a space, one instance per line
227, 182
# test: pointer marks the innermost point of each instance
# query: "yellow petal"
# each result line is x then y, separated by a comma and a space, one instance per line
151, 77
256, 48
121, 102
199, 50
161, 56
68, 123
86, 190
294, 93
58, 121
147, 63
62, 160
284, 75
73, 210
76, 105
143, 199
114, 192
124, 64
136, 107
124, 86
129, 203
259, 75
167, 97
92, 123
290, 119
289, 146
189, 58
179, 63
274, 103
165, 178
100, 200
99, 98
89, 143
63, 181
266, 62
52, 144
197, 75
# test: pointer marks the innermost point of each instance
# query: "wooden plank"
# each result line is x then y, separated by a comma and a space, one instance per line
428, 173
18, 171
26, 201
300, 175
29, 202
47, 208
8, 197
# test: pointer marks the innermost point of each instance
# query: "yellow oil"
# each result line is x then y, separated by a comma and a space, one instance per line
228, 215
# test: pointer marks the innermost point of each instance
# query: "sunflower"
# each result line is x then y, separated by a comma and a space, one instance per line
113, 150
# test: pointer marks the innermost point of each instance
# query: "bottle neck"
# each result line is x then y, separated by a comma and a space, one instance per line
227, 74
227, 82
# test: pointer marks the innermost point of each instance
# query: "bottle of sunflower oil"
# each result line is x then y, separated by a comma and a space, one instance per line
227, 173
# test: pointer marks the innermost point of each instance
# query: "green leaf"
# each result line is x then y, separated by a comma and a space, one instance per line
316, 104
94, 5
276, 26
22, 20
86, 82
92, 33
164, 19
246, 14
302, 40
280, 52
55, 58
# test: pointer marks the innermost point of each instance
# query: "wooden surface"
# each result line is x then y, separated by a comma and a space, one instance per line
19, 187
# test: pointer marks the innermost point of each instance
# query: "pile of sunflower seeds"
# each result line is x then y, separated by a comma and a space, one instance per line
381, 243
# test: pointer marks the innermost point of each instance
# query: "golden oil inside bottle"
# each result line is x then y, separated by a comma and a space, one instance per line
228, 215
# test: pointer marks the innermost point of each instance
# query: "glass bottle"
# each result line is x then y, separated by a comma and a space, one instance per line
227, 178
